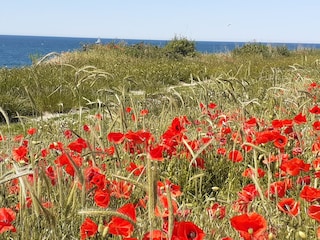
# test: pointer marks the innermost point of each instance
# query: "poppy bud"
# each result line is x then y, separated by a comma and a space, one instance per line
105, 232
270, 236
215, 189
302, 235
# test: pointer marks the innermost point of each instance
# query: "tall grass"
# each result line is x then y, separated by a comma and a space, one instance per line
83, 76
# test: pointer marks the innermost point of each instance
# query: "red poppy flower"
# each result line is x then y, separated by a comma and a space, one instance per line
99, 180
120, 189
217, 211
252, 122
279, 188
289, 206
316, 125
280, 141
115, 137
315, 147
221, 151
235, 156
109, 151
250, 225
175, 131
94, 177
144, 112
249, 172
312, 86
248, 194
314, 212
139, 137
51, 174
187, 231
20, 153
316, 164
18, 138
64, 160
299, 119
86, 128
266, 136
78, 145
88, 229
7, 216
315, 110
162, 209
102, 198
67, 133
2, 138
120, 226
56, 146
287, 122
135, 169
175, 190
128, 109
310, 194
305, 180
156, 153
212, 105
277, 123
32, 131
294, 166
155, 235
178, 125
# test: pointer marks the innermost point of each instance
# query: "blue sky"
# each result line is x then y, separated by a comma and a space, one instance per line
210, 20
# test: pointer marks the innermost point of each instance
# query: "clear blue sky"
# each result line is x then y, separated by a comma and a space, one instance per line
223, 20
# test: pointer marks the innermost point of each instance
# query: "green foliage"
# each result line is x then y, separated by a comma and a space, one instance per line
261, 50
283, 51
180, 47
242, 88
142, 50
85, 78
252, 49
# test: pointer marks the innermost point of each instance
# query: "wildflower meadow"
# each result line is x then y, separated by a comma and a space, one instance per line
231, 154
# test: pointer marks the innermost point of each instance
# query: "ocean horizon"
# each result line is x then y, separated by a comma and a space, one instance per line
18, 51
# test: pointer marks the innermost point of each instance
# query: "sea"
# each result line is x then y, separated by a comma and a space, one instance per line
19, 51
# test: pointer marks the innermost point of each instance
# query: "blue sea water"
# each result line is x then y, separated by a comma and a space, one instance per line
18, 51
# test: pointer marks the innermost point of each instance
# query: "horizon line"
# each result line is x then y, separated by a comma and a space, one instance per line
152, 39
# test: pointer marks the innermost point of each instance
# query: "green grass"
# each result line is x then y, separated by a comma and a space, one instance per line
103, 80
85, 77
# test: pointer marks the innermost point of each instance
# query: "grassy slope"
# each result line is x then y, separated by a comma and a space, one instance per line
90, 76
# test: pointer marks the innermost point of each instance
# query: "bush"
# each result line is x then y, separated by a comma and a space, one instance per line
283, 51
252, 49
143, 50
180, 47
261, 49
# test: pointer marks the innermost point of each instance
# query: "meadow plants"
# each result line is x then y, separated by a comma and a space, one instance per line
226, 157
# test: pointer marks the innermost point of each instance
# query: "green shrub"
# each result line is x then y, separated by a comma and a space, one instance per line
282, 51
143, 50
261, 49
180, 47
252, 49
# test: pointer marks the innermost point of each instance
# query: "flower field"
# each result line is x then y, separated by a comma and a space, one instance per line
206, 162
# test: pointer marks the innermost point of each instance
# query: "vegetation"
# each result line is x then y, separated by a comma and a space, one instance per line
80, 78
263, 50
147, 146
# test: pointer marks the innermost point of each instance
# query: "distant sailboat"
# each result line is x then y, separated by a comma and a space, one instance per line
98, 41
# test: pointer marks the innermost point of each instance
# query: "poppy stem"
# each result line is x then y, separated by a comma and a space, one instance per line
255, 178
152, 190
171, 212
